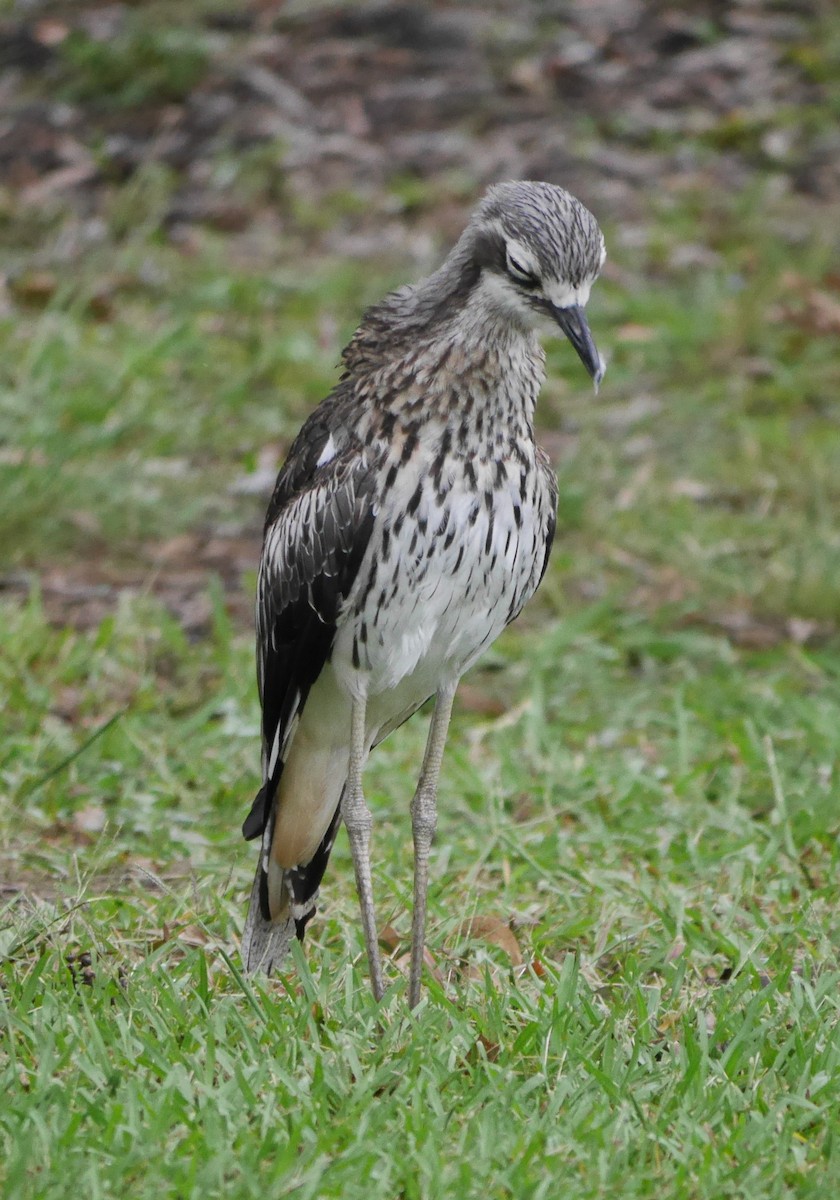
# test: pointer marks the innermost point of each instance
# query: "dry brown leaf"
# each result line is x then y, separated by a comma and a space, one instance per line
491, 1049
185, 935
193, 935
498, 933
403, 964
390, 939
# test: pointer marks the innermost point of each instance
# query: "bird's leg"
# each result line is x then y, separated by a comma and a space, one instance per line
358, 820
423, 824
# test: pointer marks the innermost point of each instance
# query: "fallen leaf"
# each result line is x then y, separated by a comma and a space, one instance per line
403, 964
390, 939
498, 933
491, 1049
193, 935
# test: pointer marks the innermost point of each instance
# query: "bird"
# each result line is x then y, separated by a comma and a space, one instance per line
409, 525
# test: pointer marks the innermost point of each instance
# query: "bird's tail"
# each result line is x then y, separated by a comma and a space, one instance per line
289, 894
264, 943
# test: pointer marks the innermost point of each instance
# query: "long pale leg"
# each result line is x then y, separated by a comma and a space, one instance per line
423, 824
358, 820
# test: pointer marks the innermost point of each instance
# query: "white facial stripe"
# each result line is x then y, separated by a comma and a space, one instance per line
562, 295
503, 295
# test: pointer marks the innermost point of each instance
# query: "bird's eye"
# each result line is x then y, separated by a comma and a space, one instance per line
523, 275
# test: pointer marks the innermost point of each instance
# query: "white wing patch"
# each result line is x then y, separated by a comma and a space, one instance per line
287, 741
275, 751
328, 453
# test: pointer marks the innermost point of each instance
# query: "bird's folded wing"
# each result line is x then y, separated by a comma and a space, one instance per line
315, 540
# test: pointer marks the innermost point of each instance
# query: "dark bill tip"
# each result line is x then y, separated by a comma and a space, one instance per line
572, 321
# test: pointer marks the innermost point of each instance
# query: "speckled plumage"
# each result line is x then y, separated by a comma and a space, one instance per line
411, 522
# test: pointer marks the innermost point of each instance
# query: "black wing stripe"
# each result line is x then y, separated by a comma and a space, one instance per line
305, 881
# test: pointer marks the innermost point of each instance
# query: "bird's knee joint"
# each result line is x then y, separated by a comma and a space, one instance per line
357, 815
423, 821
424, 804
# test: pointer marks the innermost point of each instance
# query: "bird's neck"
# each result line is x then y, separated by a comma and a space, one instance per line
448, 349
478, 357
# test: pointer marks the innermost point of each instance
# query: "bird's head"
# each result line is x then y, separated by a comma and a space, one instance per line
538, 251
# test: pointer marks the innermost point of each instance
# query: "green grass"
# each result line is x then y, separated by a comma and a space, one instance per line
650, 808
658, 818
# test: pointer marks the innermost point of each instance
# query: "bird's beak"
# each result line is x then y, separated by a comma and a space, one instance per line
572, 321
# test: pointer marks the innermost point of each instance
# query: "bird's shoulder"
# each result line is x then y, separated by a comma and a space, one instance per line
326, 446
320, 518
